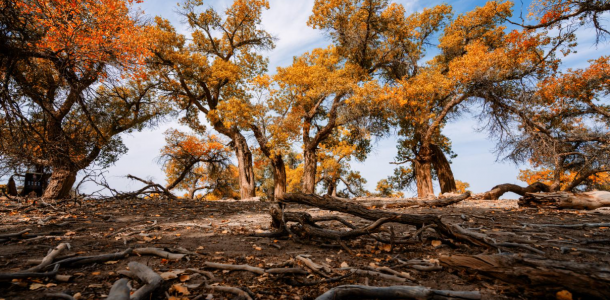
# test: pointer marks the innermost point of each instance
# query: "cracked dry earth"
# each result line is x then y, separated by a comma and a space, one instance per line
219, 232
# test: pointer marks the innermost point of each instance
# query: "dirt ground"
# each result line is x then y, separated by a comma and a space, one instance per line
220, 231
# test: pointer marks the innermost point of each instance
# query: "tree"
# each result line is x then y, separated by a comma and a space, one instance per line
193, 164
562, 126
210, 74
72, 82
477, 58
547, 176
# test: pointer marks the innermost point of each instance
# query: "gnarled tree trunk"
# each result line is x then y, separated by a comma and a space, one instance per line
423, 178
587, 200
310, 165
245, 166
443, 170
60, 183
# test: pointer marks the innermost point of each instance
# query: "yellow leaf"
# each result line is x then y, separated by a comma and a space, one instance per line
436, 243
36, 286
111, 262
179, 288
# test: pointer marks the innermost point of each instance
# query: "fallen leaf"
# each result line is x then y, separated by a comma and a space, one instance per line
386, 247
344, 265
563, 295
436, 243
111, 262
95, 273
184, 278
179, 288
36, 286
95, 285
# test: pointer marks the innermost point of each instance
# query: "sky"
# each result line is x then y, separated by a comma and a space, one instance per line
476, 162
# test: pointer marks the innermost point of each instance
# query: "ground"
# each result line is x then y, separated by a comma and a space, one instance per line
220, 231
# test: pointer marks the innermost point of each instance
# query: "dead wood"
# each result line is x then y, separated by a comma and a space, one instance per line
336, 234
570, 226
241, 294
83, 260
256, 270
20, 234
375, 274
158, 252
587, 200
394, 292
589, 280
410, 202
119, 290
151, 279
26, 274
47, 260
337, 204
497, 191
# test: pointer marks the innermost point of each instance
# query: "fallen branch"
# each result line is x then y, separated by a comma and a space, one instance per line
26, 274
410, 202
158, 252
148, 276
59, 296
16, 234
591, 281
256, 270
83, 260
587, 200
241, 295
119, 290
337, 204
497, 191
394, 292
375, 274
47, 260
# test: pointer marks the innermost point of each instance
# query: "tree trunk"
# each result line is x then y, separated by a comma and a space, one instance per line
60, 183
245, 166
310, 165
12, 187
497, 191
443, 170
332, 188
279, 190
423, 178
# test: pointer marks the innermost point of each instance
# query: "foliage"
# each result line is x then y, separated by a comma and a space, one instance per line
462, 186
194, 163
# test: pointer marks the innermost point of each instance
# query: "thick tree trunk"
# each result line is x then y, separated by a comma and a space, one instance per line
423, 178
497, 191
279, 190
443, 170
12, 187
60, 183
542, 278
245, 167
332, 188
588, 200
310, 165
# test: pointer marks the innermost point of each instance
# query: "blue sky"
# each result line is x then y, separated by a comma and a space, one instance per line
476, 163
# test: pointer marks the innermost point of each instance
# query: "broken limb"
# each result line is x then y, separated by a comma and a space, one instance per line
394, 292
47, 260
497, 191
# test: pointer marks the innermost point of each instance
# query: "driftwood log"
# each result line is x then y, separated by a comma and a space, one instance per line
540, 275
587, 200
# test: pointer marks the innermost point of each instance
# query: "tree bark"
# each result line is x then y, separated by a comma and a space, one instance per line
310, 165
245, 166
12, 187
60, 183
541, 276
588, 200
443, 170
497, 191
423, 177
